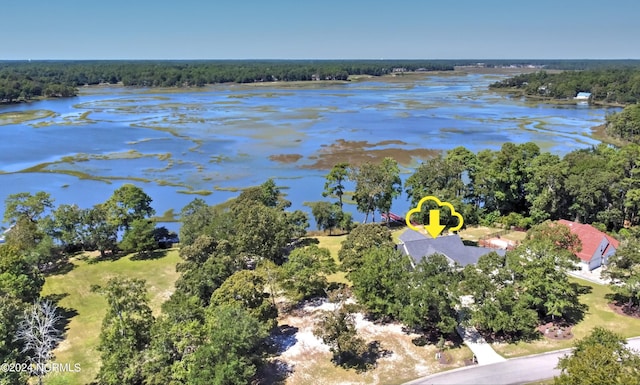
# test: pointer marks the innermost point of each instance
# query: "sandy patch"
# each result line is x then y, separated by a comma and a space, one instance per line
309, 359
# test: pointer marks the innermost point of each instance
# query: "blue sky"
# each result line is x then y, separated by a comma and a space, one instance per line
327, 29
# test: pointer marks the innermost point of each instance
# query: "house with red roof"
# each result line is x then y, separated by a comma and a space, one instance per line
597, 246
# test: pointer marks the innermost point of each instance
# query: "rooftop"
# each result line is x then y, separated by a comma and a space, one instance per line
590, 238
418, 245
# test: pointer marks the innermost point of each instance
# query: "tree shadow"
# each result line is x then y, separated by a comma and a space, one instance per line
273, 372
575, 314
283, 337
65, 314
362, 361
60, 267
111, 256
581, 289
621, 305
148, 256
511, 338
433, 337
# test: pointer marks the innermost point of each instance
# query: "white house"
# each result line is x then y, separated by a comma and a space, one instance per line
584, 96
597, 246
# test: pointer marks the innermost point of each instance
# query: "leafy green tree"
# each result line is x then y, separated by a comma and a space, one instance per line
502, 306
380, 283
267, 194
376, 186
304, 274
245, 289
359, 241
442, 177
298, 221
11, 309
139, 238
499, 178
127, 204
19, 278
195, 218
547, 284
432, 297
231, 351
546, 192
624, 269
65, 225
559, 237
600, 358
173, 341
200, 279
199, 250
125, 332
262, 232
25, 205
589, 199
346, 222
37, 246
335, 179
327, 215
96, 232
625, 124
506, 314
337, 329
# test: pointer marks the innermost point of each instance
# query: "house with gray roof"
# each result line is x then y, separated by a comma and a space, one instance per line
417, 245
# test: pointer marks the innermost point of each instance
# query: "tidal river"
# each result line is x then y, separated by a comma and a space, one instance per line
210, 142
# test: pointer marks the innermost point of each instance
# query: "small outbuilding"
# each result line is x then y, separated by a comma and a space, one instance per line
583, 96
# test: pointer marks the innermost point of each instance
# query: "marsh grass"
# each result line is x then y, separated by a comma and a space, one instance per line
195, 192
18, 117
167, 216
285, 158
359, 152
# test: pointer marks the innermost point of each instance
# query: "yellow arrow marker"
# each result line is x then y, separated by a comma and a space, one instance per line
434, 228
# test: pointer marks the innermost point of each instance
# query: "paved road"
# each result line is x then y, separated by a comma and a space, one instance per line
514, 371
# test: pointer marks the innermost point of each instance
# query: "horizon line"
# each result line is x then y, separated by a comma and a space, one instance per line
324, 59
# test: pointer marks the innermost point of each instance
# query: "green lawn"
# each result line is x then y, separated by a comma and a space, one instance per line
597, 314
334, 243
88, 309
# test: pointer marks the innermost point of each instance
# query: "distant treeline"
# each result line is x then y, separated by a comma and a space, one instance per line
26, 80
613, 85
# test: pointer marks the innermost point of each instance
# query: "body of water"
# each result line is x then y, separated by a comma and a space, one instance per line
177, 144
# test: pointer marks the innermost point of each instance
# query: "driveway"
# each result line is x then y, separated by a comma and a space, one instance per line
483, 352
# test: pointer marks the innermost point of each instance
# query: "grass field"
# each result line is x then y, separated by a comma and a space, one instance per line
87, 309
475, 233
334, 243
597, 314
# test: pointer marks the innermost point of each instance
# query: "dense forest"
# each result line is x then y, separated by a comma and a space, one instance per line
612, 85
24, 81
21, 81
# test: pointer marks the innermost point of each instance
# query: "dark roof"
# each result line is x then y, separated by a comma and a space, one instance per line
418, 245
